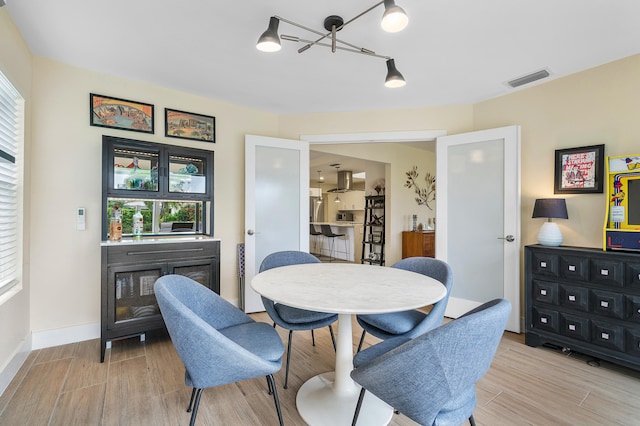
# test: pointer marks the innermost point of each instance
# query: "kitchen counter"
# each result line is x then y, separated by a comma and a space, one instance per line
339, 223
346, 247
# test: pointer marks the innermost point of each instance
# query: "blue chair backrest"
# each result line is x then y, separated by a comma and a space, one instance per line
285, 258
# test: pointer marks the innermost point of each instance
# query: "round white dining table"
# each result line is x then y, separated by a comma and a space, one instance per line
346, 289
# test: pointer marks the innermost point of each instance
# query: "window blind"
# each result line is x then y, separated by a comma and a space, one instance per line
11, 140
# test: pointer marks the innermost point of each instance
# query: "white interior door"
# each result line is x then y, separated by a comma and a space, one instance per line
478, 217
276, 203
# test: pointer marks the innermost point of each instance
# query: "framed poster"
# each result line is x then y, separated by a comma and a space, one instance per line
579, 170
115, 113
188, 125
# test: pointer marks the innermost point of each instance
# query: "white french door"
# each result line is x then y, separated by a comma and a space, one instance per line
478, 217
276, 203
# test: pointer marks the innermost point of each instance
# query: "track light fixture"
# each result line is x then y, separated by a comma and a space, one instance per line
394, 19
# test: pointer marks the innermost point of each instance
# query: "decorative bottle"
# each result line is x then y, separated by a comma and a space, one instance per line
115, 224
137, 224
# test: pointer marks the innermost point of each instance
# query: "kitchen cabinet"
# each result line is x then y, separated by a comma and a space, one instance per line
419, 243
129, 271
351, 200
584, 299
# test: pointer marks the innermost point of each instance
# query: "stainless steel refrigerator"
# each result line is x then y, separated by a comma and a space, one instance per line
316, 209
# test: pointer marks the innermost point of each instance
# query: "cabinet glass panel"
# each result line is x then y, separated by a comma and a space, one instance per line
134, 294
187, 174
198, 273
135, 170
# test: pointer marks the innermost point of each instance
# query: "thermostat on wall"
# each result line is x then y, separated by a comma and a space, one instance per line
80, 219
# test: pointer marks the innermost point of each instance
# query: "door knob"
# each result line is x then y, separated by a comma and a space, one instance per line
250, 232
509, 238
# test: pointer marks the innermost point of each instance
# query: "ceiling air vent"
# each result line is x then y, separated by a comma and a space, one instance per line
529, 78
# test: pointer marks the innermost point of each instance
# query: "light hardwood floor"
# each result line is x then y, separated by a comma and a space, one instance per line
142, 383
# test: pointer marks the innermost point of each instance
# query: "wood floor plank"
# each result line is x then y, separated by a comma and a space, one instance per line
142, 383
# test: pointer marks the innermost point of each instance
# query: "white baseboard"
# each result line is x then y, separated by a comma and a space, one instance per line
11, 369
64, 336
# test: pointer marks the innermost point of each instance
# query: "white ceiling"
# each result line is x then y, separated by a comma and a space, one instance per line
452, 52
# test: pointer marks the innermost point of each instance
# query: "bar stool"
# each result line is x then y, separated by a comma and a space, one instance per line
314, 233
328, 233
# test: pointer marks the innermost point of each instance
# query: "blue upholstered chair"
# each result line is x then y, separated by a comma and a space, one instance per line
217, 342
431, 379
410, 323
291, 318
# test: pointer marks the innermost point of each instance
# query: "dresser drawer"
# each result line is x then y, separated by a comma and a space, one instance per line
575, 327
544, 264
574, 268
607, 272
545, 319
607, 303
633, 341
545, 292
632, 275
607, 335
574, 297
632, 308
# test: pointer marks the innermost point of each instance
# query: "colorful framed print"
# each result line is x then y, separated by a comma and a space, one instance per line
115, 113
579, 170
188, 125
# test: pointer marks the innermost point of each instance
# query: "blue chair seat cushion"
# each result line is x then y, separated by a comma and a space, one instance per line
300, 316
396, 322
258, 338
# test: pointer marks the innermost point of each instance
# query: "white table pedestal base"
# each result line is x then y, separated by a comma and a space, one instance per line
319, 405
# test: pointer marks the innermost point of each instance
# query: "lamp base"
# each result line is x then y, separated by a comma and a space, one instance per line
550, 235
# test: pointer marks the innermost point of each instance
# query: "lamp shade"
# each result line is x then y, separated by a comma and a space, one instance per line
555, 208
394, 18
394, 78
269, 41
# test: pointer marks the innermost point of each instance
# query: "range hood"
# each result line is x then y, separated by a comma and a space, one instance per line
345, 181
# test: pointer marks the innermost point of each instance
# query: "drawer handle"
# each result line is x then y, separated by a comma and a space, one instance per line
604, 304
571, 298
543, 320
604, 272
605, 336
572, 268
544, 265
543, 292
572, 327
139, 253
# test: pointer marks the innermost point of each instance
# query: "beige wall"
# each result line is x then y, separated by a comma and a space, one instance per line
67, 174
597, 106
15, 64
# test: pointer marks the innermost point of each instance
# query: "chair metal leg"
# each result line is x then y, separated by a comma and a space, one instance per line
333, 338
193, 395
472, 421
269, 386
286, 376
195, 407
357, 413
361, 340
313, 339
272, 385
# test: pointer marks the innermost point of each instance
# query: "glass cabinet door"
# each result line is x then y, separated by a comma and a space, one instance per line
134, 296
135, 169
187, 174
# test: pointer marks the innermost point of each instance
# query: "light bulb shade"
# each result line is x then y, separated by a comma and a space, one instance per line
394, 18
550, 208
337, 199
550, 235
269, 41
394, 78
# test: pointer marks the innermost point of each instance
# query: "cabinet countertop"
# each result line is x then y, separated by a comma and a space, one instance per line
160, 240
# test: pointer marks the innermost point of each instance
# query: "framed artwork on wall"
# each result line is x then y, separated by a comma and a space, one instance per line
116, 113
188, 125
579, 170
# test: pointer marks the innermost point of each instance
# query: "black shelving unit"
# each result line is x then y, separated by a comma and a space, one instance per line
373, 235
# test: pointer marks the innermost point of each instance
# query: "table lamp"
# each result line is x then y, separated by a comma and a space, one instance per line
550, 208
